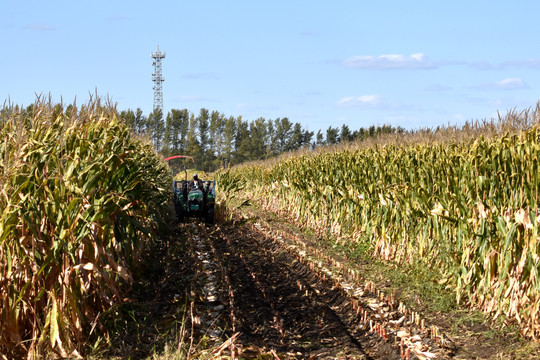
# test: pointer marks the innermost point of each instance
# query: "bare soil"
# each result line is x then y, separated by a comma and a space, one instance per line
280, 303
246, 290
275, 305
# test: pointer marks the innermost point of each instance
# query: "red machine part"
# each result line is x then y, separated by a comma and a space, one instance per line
179, 156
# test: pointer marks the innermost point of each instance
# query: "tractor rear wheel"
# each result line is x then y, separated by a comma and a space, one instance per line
209, 218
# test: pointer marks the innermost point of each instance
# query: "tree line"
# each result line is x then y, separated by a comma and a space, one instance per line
216, 140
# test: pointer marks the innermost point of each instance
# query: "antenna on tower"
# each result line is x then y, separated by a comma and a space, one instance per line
158, 79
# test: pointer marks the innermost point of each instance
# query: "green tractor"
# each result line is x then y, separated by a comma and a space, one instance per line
195, 199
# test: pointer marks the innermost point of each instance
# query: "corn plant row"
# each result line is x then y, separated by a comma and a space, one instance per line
79, 199
467, 208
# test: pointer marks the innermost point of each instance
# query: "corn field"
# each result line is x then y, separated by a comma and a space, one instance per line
79, 200
468, 208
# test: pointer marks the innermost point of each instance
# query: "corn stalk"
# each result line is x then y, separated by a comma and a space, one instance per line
79, 199
468, 208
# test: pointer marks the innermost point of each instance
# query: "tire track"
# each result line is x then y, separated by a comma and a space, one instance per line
280, 301
274, 306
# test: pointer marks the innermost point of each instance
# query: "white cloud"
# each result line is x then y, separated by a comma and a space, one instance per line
391, 61
371, 101
505, 84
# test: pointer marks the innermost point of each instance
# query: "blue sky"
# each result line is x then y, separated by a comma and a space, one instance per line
320, 63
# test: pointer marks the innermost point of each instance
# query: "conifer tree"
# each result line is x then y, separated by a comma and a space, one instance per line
258, 139
229, 135
193, 147
205, 156
242, 142
282, 134
332, 136
156, 128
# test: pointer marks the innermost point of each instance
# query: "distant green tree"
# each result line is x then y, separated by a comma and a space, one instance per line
182, 122
372, 131
332, 135
140, 122
270, 131
229, 136
296, 139
128, 116
135, 120
320, 139
345, 134
176, 130
360, 134
217, 124
166, 146
205, 155
242, 142
215, 140
258, 132
193, 147
203, 121
306, 138
156, 128
282, 135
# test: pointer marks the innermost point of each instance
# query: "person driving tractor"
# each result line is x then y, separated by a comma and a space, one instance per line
196, 182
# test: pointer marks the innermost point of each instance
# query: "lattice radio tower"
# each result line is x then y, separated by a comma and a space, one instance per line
158, 79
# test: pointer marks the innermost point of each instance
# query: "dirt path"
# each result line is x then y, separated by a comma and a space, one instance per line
270, 301
276, 302
267, 291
